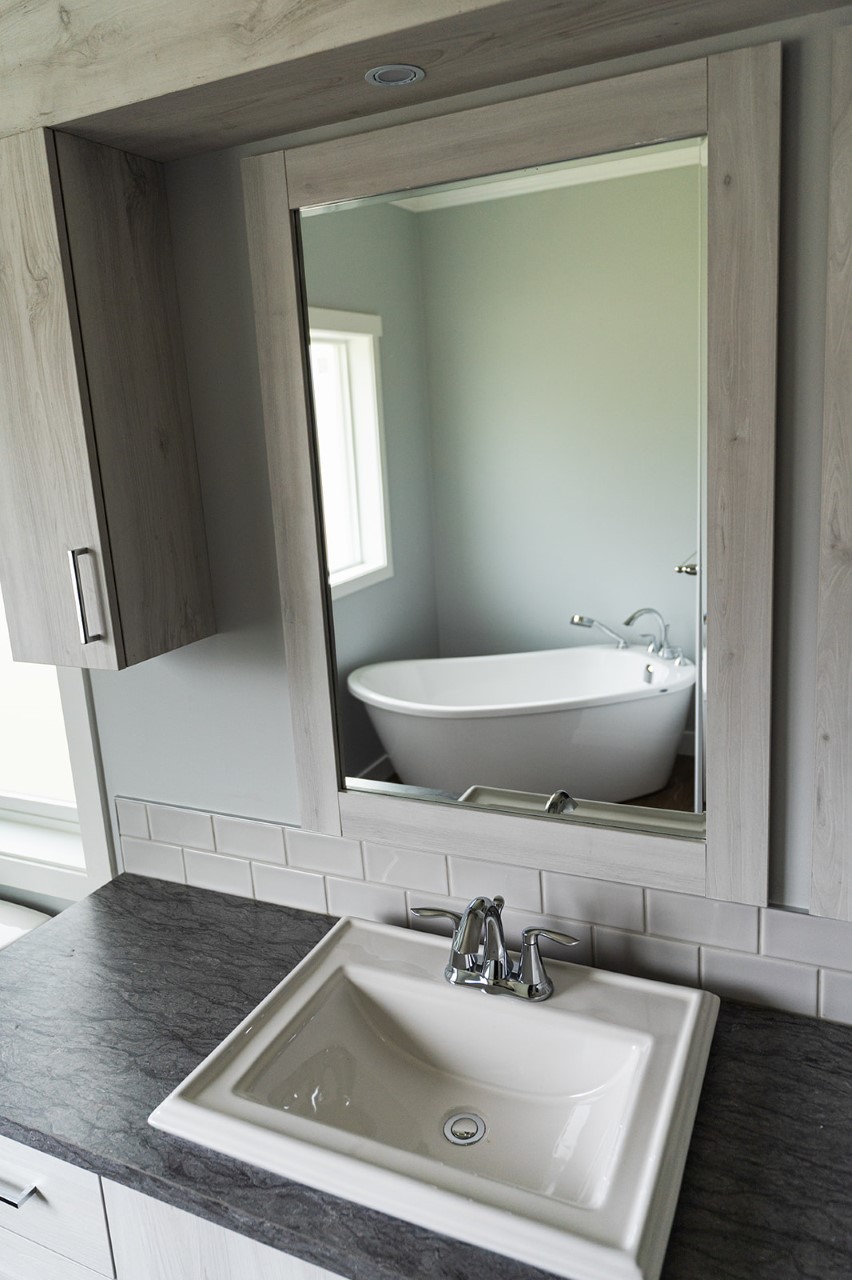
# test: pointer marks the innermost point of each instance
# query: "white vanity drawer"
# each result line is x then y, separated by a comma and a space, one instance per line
64, 1214
22, 1259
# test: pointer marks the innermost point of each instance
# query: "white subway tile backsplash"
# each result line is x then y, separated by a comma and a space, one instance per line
383, 864
216, 871
810, 939
289, 888
247, 839
132, 818
146, 858
645, 957
520, 886
778, 983
720, 924
835, 996
576, 898
369, 901
180, 826
330, 854
769, 957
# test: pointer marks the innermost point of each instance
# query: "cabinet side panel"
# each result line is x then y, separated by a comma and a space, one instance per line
48, 502
120, 244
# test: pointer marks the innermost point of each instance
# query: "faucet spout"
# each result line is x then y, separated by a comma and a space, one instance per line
663, 649
478, 955
479, 941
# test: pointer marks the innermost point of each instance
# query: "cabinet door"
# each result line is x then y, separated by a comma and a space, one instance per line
153, 1241
55, 567
103, 555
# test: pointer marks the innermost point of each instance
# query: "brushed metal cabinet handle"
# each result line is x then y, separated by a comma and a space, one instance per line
14, 1195
74, 554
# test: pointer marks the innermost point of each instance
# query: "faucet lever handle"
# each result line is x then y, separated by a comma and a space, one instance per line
531, 968
435, 913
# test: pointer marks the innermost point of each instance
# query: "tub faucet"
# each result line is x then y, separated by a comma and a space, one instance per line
478, 954
579, 621
560, 802
662, 648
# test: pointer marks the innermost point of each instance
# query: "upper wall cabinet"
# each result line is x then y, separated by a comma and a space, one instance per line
103, 559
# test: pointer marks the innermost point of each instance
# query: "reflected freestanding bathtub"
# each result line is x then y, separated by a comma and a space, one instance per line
602, 722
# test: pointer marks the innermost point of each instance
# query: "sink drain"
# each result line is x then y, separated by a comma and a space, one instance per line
464, 1128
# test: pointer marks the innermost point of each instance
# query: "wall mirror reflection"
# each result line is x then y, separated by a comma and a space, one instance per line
509, 400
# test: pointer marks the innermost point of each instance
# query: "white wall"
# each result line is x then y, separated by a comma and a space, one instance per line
209, 727
213, 719
564, 382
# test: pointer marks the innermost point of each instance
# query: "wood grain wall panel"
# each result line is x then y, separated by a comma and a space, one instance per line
743, 187
831, 877
165, 80
119, 237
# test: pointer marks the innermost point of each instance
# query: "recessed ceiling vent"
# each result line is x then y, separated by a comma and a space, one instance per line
395, 75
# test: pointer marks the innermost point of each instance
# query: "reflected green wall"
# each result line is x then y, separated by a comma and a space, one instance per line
563, 354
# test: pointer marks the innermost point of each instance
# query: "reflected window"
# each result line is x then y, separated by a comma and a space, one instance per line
344, 350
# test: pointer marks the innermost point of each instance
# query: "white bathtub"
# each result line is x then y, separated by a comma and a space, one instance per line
592, 719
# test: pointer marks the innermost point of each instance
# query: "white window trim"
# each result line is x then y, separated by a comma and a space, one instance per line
52, 848
327, 321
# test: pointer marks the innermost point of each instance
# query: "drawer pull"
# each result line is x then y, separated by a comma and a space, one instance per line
15, 1196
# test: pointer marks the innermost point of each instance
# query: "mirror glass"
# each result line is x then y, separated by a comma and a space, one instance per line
508, 381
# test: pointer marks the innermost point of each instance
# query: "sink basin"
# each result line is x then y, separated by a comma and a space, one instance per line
555, 1133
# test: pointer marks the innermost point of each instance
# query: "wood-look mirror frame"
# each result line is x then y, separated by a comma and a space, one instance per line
733, 98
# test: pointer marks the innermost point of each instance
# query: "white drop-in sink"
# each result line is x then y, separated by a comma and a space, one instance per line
348, 1074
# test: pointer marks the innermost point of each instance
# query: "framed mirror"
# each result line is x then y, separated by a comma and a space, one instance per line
509, 401
557, 440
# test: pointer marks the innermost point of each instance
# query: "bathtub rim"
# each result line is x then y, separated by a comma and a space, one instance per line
684, 677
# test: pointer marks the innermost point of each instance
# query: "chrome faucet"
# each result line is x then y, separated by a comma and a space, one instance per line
579, 621
661, 647
560, 802
478, 954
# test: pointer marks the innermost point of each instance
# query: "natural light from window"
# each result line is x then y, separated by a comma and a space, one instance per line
34, 760
347, 406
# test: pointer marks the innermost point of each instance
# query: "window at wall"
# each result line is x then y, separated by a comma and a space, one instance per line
344, 351
53, 830
35, 766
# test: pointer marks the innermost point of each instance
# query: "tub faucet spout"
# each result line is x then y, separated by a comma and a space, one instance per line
662, 649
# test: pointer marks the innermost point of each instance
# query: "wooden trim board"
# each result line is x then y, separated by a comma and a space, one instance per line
590, 119
287, 415
831, 869
744, 97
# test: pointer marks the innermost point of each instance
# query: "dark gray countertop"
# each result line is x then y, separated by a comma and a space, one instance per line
106, 1008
